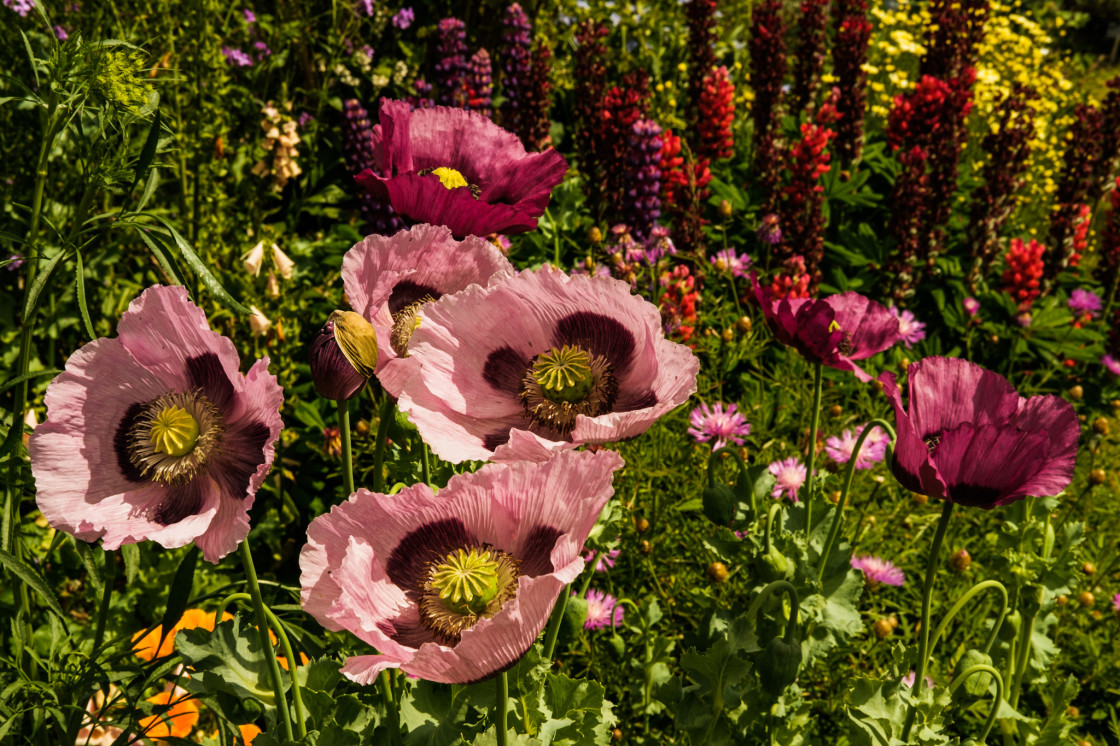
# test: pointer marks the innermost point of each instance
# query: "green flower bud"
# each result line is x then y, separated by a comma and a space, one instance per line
719, 504
978, 684
773, 565
778, 665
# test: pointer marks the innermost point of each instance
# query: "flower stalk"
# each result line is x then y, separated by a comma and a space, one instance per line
812, 455
503, 708
387, 406
266, 645
347, 454
972, 671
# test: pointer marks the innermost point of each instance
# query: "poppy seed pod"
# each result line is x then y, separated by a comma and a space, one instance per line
343, 356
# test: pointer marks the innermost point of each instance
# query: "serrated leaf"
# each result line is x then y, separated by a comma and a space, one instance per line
130, 553
435, 714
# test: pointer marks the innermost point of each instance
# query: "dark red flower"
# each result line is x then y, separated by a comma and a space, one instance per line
834, 331
457, 168
969, 438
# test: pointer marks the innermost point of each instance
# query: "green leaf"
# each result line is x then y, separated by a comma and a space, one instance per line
131, 555
28, 377
40, 284
580, 709
80, 283
148, 152
85, 552
435, 714
28, 575
229, 660
179, 595
205, 276
1057, 727
165, 262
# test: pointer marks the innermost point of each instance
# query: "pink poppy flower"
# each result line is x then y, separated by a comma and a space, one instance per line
454, 587
969, 438
877, 571
716, 422
538, 362
839, 448
155, 434
603, 610
789, 475
457, 168
835, 331
387, 278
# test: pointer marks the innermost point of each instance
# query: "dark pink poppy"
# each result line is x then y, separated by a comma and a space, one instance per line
834, 331
456, 168
969, 438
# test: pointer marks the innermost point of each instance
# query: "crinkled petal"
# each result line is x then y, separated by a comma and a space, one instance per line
988, 465
872, 326
946, 392
912, 465
1054, 416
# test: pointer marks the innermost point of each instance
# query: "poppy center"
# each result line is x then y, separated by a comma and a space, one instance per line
173, 437
466, 585
450, 178
565, 382
405, 322
174, 431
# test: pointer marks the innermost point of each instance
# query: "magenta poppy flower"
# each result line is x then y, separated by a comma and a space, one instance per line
969, 438
541, 361
835, 331
155, 434
457, 168
387, 278
454, 587
878, 571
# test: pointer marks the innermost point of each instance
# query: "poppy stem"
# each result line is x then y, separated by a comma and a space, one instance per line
553, 630
503, 708
812, 456
108, 577
266, 645
972, 671
347, 454
849, 472
386, 414
927, 597
386, 682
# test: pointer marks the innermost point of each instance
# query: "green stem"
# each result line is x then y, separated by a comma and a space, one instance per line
812, 457
849, 472
973, 591
927, 598
972, 671
553, 630
108, 577
503, 708
774, 510
347, 453
387, 406
394, 716
779, 586
743, 478
590, 573
266, 645
425, 467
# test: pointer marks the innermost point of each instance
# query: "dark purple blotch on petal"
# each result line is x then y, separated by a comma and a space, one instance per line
633, 403
537, 550
205, 371
503, 370
241, 453
407, 292
408, 562
120, 444
600, 335
179, 502
411, 634
495, 439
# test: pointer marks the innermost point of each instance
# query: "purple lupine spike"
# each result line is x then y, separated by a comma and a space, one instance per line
451, 69
536, 130
642, 206
377, 215
516, 68
480, 83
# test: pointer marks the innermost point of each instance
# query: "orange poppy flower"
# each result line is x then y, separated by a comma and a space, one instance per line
176, 722
248, 733
144, 645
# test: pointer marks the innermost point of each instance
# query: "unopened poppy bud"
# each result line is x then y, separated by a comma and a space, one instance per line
284, 265
594, 235
616, 735
1088, 568
724, 209
1100, 426
882, 628
919, 498
717, 572
727, 335
641, 525
1062, 600
960, 560
1072, 712
645, 547
362, 428
1076, 393
253, 258
343, 356
835, 410
1085, 598
744, 324
1115, 404
1097, 476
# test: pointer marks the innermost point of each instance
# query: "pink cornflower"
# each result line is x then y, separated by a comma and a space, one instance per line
716, 422
1085, 303
910, 330
874, 448
1112, 364
971, 305
602, 610
236, 57
603, 560
457, 586
730, 261
1116, 603
155, 434
877, 571
789, 475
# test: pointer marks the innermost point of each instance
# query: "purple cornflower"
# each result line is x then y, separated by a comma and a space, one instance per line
770, 230
236, 57
60, 33
23, 7
1107, 361
262, 50
716, 422
878, 571
789, 475
15, 261
403, 19
874, 448
1085, 302
599, 269
603, 560
910, 330
250, 16
730, 261
602, 610
658, 245
971, 305
305, 118
366, 7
